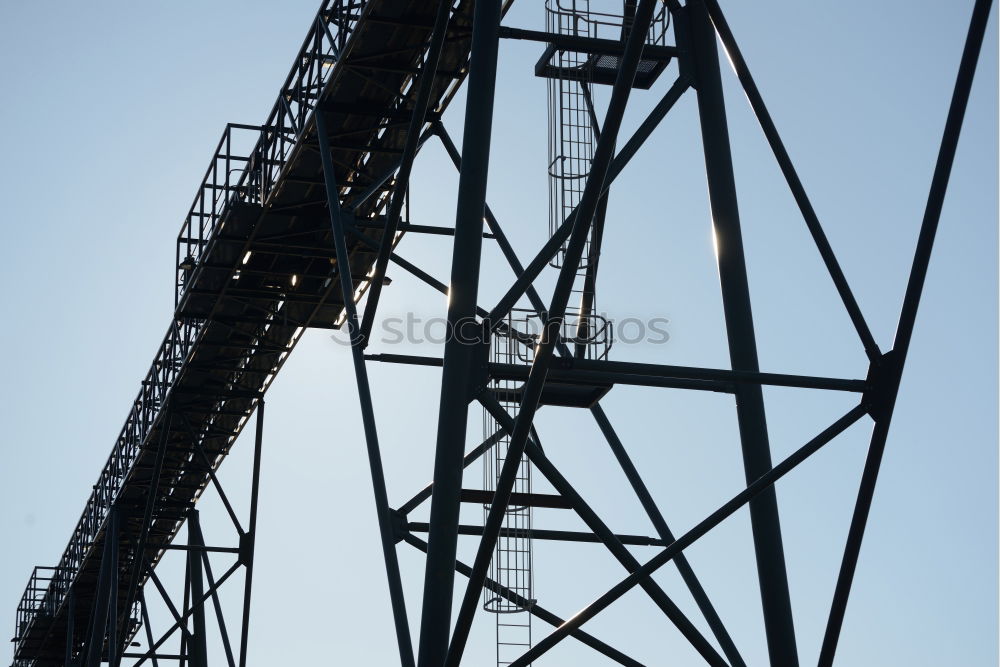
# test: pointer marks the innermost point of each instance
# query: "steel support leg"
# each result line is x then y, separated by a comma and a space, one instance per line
893, 362
198, 646
70, 621
586, 327
99, 619
186, 634
114, 650
344, 277
138, 563
439, 576
198, 538
149, 630
768, 547
249, 538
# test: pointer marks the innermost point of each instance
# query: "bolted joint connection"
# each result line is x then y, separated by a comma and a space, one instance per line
479, 369
883, 384
246, 549
682, 32
399, 525
359, 340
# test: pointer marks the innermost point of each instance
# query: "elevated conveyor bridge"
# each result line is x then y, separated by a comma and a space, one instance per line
256, 266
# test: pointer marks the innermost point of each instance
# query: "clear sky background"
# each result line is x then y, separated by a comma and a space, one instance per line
111, 110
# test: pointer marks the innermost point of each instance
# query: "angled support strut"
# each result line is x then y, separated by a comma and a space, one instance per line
344, 277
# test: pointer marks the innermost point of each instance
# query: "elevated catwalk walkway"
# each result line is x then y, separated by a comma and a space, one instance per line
255, 267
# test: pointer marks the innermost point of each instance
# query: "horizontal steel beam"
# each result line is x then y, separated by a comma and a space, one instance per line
192, 547
587, 371
517, 499
553, 535
419, 229
708, 374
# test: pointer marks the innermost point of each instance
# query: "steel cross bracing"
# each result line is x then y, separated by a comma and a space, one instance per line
319, 189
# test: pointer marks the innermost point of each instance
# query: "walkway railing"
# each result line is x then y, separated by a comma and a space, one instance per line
252, 175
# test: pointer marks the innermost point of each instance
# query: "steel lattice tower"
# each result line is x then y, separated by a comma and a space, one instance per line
295, 225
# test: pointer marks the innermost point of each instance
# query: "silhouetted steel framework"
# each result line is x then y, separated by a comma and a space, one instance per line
291, 233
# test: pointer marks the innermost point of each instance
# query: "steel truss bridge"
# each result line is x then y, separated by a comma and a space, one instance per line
294, 226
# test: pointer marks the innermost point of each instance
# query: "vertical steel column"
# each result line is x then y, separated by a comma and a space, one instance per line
589, 296
249, 538
740, 331
99, 620
70, 621
439, 575
197, 647
585, 329
137, 564
149, 631
113, 648
213, 592
346, 280
186, 636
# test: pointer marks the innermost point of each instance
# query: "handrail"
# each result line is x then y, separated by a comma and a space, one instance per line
280, 133
598, 24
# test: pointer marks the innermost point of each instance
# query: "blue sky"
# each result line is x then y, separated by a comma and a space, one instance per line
111, 112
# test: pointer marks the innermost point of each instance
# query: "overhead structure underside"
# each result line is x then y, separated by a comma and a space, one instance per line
293, 227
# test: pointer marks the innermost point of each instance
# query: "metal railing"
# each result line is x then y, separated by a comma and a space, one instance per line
37, 603
603, 19
223, 182
250, 177
33, 602
141, 418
